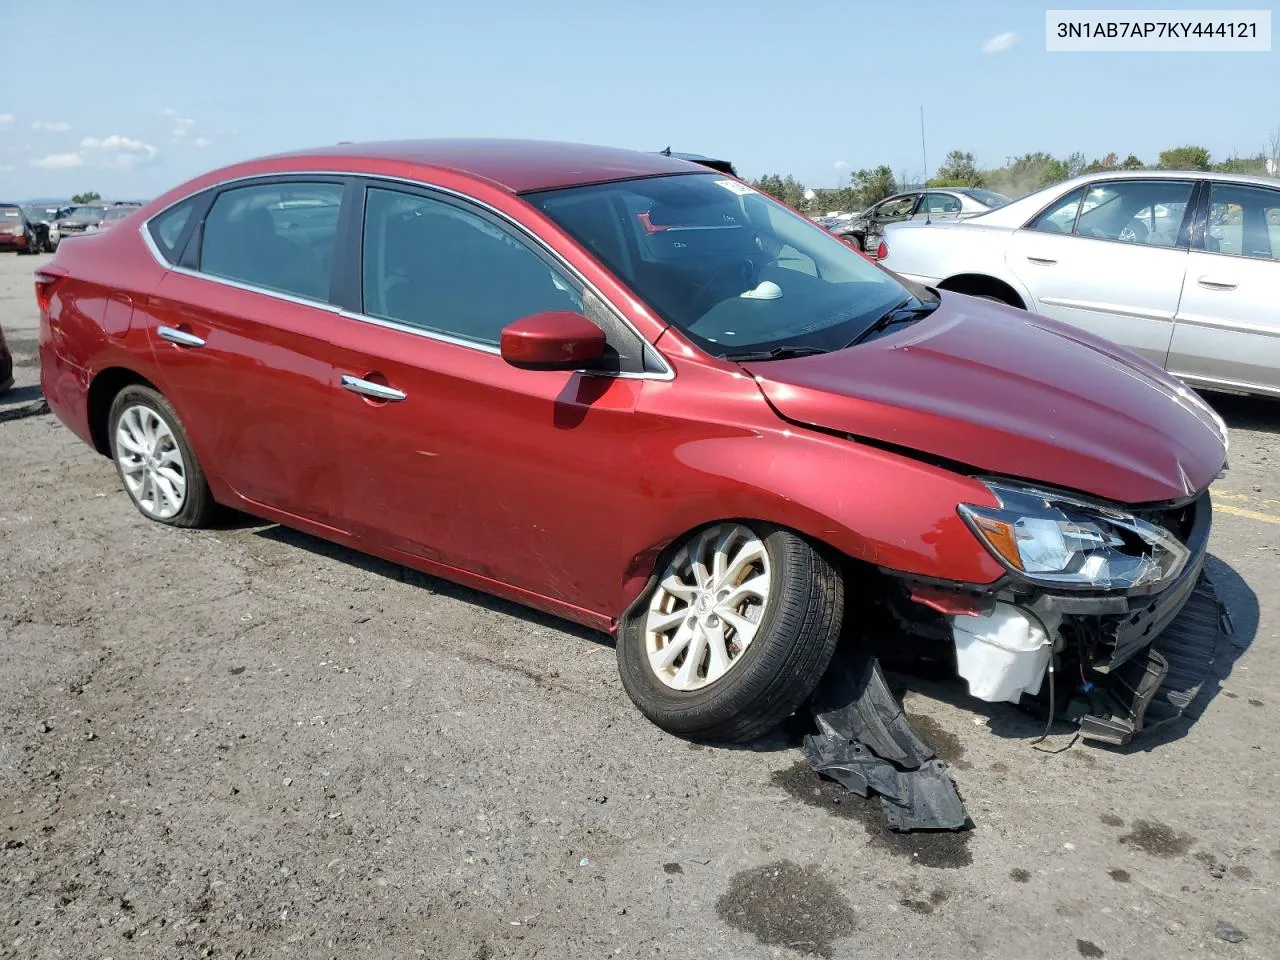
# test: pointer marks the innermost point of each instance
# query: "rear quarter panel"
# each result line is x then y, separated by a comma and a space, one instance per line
941, 250
91, 323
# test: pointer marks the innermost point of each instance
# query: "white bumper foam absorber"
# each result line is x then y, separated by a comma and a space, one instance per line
1004, 654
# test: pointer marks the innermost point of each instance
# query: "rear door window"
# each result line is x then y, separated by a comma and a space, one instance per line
1244, 221
277, 236
942, 203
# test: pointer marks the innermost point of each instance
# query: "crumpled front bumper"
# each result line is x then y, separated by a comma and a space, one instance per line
1112, 655
1124, 625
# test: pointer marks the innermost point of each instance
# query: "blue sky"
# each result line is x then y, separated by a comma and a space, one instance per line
130, 97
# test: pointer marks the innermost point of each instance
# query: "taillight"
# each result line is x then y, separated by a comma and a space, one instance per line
882, 251
45, 282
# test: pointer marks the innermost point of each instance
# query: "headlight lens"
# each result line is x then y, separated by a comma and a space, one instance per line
1058, 540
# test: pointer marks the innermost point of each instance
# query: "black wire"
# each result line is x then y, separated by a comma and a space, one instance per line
1048, 723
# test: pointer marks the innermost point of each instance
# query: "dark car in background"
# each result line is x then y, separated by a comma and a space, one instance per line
16, 232
43, 219
863, 230
83, 218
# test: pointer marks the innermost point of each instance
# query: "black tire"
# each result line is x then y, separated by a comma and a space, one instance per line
793, 646
198, 507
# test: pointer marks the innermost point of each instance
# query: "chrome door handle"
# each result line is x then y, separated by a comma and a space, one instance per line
368, 388
179, 337
1043, 261
1211, 284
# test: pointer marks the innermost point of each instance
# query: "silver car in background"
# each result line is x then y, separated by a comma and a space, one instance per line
1180, 267
80, 219
863, 230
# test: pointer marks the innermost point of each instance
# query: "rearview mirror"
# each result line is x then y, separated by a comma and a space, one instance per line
555, 340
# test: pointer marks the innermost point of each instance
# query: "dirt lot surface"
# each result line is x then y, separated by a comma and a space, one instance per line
246, 742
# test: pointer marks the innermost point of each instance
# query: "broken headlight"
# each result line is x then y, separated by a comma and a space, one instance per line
1057, 540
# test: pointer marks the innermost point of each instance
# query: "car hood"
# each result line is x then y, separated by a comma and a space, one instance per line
1007, 392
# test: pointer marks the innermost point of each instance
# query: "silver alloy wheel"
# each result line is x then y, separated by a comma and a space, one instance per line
151, 462
707, 607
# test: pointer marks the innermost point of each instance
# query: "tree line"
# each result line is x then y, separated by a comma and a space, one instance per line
1018, 175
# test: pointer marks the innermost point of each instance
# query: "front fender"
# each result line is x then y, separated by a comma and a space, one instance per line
871, 504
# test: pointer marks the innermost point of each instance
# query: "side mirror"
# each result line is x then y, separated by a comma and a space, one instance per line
555, 340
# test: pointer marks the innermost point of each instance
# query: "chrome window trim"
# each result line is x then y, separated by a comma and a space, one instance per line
1248, 257
667, 373
425, 334
250, 288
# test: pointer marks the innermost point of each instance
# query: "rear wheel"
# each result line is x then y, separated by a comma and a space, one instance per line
735, 635
154, 459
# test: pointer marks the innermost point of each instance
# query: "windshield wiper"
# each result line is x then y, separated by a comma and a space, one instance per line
777, 353
901, 313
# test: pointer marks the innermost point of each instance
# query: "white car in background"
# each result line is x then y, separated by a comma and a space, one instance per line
1182, 268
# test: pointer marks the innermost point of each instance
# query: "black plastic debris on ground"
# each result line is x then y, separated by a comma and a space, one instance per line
865, 743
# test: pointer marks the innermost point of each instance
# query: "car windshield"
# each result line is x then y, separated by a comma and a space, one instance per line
87, 213
10, 213
734, 270
988, 197
118, 213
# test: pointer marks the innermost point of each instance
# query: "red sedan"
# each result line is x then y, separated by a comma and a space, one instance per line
638, 394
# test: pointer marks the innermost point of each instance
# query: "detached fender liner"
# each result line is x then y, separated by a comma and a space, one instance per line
865, 743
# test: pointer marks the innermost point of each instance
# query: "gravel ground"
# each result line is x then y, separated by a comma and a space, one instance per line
247, 742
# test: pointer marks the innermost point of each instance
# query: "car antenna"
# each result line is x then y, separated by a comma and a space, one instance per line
924, 158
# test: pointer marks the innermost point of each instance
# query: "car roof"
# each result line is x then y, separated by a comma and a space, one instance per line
517, 165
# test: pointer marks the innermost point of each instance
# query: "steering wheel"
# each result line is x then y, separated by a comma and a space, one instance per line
739, 273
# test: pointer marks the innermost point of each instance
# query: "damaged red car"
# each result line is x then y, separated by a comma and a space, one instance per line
638, 394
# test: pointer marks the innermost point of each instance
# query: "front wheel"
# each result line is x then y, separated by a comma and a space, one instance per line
155, 461
738, 630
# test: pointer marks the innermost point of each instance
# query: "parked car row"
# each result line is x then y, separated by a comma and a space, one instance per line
1182, 268
632, 391
16, 233
36, 228
863, 230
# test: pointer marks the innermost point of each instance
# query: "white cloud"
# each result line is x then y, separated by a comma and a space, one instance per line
53, 126
168, 112
1000, 43
59, 161
6, 119
202, 142
5, 168
182, 126
117, 151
